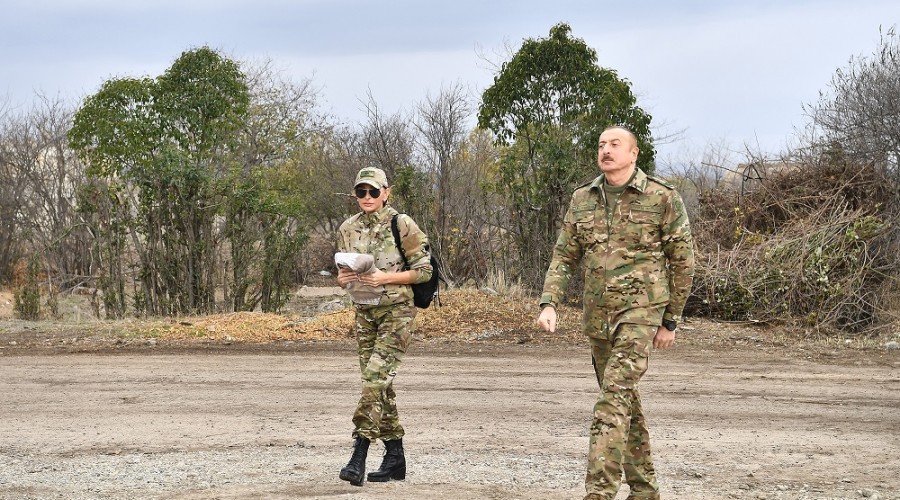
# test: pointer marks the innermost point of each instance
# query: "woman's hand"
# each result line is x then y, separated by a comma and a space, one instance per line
375, 278
346, 276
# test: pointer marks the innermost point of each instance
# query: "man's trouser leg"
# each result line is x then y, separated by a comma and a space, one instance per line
619, 364
639, 471
383, 334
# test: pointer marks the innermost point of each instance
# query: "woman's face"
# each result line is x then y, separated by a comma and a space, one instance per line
372, 199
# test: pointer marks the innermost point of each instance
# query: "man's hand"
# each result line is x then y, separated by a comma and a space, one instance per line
547, 319
664, 338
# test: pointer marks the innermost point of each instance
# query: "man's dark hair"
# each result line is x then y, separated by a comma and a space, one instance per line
620, 127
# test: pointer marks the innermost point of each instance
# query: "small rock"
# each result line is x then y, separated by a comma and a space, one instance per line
324, 273
781, 487
892, 345
13, 342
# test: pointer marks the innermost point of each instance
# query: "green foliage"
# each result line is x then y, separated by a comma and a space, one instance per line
556, 83
116, 129
262, 216
547, 108
27, 298
102, 205
204, 98
171, 163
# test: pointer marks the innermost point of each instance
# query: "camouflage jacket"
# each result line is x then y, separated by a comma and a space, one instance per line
371, 234
638, 269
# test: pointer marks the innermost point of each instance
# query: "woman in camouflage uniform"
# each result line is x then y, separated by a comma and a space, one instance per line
383, 330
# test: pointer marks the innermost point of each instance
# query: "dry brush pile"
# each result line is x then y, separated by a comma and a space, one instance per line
815, 243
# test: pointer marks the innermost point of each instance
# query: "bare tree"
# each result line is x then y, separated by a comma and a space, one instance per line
261, 221
481, 247
387, 140
442, 126
38, 198
861, 111
11, 195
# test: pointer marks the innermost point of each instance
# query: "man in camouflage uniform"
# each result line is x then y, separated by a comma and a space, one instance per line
383, 330
631, 233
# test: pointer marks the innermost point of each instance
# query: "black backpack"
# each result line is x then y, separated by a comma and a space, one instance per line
423, 293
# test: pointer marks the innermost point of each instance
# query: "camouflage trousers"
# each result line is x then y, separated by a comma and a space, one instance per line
619, 437
382, 334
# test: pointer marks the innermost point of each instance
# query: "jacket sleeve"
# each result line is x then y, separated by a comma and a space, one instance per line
566, 255
678, 246
343, 237
415, 248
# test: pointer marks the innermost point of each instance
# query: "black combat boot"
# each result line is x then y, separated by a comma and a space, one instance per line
394, 464
355, 470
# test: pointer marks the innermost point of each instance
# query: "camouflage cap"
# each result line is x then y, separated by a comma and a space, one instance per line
372, 176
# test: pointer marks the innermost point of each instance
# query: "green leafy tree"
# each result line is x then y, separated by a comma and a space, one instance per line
546, 107
161, 147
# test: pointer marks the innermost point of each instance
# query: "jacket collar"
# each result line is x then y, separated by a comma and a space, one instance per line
638, 181
379, 216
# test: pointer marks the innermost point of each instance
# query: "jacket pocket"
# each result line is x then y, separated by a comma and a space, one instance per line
644, 226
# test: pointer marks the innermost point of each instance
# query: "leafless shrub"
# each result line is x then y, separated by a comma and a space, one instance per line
817, 242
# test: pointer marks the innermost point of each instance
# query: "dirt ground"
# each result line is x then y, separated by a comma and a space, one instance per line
735, 412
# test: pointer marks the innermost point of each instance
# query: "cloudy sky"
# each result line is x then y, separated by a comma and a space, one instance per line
730, 73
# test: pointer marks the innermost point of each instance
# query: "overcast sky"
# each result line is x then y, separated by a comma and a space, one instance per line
732, 72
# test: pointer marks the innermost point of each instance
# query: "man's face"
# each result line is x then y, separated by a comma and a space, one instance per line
617, 151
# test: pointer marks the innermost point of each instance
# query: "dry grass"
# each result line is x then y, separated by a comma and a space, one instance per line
465, 315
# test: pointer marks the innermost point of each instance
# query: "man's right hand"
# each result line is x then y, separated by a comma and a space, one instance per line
547, 319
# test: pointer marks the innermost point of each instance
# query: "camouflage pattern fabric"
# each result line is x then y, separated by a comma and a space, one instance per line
383, 331
638, 262
383, 334
372, 176
619, 439
638, 266
371, 234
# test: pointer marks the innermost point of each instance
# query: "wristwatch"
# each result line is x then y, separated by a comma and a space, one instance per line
670, 325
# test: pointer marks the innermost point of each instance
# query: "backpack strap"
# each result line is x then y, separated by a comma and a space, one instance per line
397, 242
